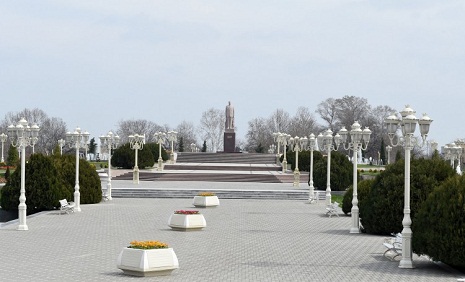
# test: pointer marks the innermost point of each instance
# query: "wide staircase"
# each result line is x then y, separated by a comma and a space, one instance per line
231, 158
218, 167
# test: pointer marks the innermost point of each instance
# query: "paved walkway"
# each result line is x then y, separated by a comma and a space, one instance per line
245, 240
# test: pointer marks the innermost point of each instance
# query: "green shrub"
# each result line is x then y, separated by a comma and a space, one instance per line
341, 168
13, 156
382, 213
90, 186
124, 157
7, 173
341, 172
44, 187
153, 147
363, 190
439, 226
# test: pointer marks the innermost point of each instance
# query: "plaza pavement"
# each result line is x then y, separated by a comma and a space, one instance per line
245, 240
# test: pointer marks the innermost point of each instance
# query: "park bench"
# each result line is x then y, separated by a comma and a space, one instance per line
66, 206
333, 209
393, 246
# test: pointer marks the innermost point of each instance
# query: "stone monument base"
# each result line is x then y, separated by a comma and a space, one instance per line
229, 142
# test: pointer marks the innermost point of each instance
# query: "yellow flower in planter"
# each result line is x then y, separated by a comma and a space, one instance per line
206, 194
146, 245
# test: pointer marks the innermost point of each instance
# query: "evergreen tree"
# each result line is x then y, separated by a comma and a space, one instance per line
13, 156
260, 148
92, 147
181, 145
398, 156
204, 146
382, 152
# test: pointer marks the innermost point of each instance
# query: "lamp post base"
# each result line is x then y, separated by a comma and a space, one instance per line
296, 178
22, 218
354, 230
160, 164
406, 263
172, 160
77, 200
284, 164
135, 175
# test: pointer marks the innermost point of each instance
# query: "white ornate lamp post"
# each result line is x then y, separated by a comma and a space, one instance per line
61, 143
325, 142
272, 149
284, 139
389, 149
297, 145
77, 140
359, 140
311, 147
137, 143
3, 138
434, 146
452, 152
277, 138
111, 141
160, 137
408, 141
22, 135
172, 137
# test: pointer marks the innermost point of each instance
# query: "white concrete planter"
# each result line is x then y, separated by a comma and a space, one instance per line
186, 222
152, 262
206, 201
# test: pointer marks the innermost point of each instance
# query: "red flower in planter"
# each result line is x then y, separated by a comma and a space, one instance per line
186, 212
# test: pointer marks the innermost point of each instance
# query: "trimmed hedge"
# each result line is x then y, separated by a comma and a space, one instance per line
44, 186
124, 157
363, 191
90, 186
341, 169
50, 179
382, 213
439, 226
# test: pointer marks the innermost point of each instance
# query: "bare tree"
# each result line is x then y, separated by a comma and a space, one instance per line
212, 127
303, 123
258, 134
375, 121
51, 129
186, 131
328, 112
350, 109
139, 126
279, 121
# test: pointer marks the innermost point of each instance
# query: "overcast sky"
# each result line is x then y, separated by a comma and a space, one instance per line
94, 63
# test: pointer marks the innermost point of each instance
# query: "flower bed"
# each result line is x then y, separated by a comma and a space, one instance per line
147, 258
206, 199
206, 194
186, 212
187, 220
147, 245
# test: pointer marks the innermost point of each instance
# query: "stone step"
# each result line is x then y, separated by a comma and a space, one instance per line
244, 158
222, 194
215, 177
218, 167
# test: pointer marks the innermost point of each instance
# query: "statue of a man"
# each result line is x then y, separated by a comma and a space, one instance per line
229, 116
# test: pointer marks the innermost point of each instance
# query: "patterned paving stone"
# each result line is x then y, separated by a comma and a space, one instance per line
245, 240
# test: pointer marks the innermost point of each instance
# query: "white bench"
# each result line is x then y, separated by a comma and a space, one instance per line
394, 246
66, 206
333, 209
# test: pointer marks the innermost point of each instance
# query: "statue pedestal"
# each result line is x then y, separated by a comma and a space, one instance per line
229, 141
